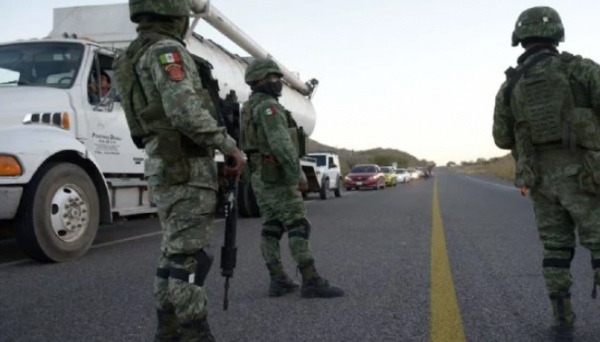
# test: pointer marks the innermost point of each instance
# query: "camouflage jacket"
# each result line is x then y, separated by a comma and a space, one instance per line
272, 137
167, 71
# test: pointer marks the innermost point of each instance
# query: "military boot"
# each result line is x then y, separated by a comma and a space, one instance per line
196, 331
315, 286
564, 318
281, 283
167, 329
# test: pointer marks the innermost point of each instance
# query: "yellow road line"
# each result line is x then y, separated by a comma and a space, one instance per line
446, 323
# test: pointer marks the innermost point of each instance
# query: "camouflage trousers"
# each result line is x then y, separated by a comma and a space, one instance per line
562, 208
282, 209
186, 215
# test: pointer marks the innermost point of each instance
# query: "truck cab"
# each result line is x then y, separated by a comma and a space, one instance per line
329, 173
67, 162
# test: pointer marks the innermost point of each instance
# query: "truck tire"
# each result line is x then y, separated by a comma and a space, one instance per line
338, 190
247, 204
59, 214
324, 189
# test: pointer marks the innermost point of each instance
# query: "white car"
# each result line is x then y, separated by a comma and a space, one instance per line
330, 173
402, 176
413, 172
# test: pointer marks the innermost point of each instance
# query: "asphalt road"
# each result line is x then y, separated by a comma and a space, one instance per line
485, 283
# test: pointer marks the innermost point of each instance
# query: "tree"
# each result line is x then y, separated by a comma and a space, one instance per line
383, 159
402, 162
353, 159
451, 164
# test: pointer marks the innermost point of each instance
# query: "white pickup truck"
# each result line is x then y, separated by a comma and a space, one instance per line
329, 173
67, 162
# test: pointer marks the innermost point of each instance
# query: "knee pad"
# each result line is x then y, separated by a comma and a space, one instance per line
162, 273
204, 260
276, 233
595, 260
559, 262
300, 228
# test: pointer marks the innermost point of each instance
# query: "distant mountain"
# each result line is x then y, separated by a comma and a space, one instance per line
380, 156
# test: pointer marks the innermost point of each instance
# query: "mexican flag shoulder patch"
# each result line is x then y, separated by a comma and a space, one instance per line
270, 111
169, 58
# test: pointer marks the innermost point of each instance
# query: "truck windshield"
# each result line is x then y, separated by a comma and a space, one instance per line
321, 160
43, 64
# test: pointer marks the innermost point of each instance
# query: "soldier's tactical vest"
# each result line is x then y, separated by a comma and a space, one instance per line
146, 117
541, 100
551, 111
250, 138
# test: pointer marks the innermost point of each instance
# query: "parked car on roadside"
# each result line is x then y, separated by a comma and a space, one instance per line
413, 172
365, 176
402, 175
389, 176
329, 172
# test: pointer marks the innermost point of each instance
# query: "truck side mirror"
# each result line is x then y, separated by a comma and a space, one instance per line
332, 166
107, 102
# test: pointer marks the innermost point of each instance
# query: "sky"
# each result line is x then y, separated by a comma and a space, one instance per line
416, 76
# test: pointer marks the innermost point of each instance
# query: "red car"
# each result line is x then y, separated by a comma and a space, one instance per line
365, 176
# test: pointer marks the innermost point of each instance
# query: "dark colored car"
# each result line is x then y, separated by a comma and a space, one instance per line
365, 176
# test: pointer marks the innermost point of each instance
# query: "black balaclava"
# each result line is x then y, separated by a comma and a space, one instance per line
270, 88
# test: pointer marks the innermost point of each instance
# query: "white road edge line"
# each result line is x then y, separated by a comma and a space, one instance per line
131, 238
104, 244
490, 183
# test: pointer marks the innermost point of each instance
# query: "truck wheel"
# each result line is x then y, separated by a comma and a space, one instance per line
338, 190
324, 189
59, 214
247, 204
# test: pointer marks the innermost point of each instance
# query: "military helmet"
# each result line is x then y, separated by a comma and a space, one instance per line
539, 22
168, 8
259, 68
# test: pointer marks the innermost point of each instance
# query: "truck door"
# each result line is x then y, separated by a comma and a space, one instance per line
108, 133
332, 172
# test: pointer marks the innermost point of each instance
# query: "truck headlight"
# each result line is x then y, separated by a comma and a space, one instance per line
9, 166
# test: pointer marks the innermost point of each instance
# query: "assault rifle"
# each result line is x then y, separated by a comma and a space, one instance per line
230, 115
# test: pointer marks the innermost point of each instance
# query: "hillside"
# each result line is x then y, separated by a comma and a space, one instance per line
501, 167
380, 156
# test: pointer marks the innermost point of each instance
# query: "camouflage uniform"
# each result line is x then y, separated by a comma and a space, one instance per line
547, 113
171, 115
271, 141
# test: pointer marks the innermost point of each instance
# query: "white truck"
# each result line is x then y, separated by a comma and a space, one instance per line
67, 163
330, 174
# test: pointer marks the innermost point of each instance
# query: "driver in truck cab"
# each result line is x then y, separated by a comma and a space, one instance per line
105, 86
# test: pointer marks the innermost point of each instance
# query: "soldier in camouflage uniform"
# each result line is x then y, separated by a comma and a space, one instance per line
271, 141
548, 113
171, 115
